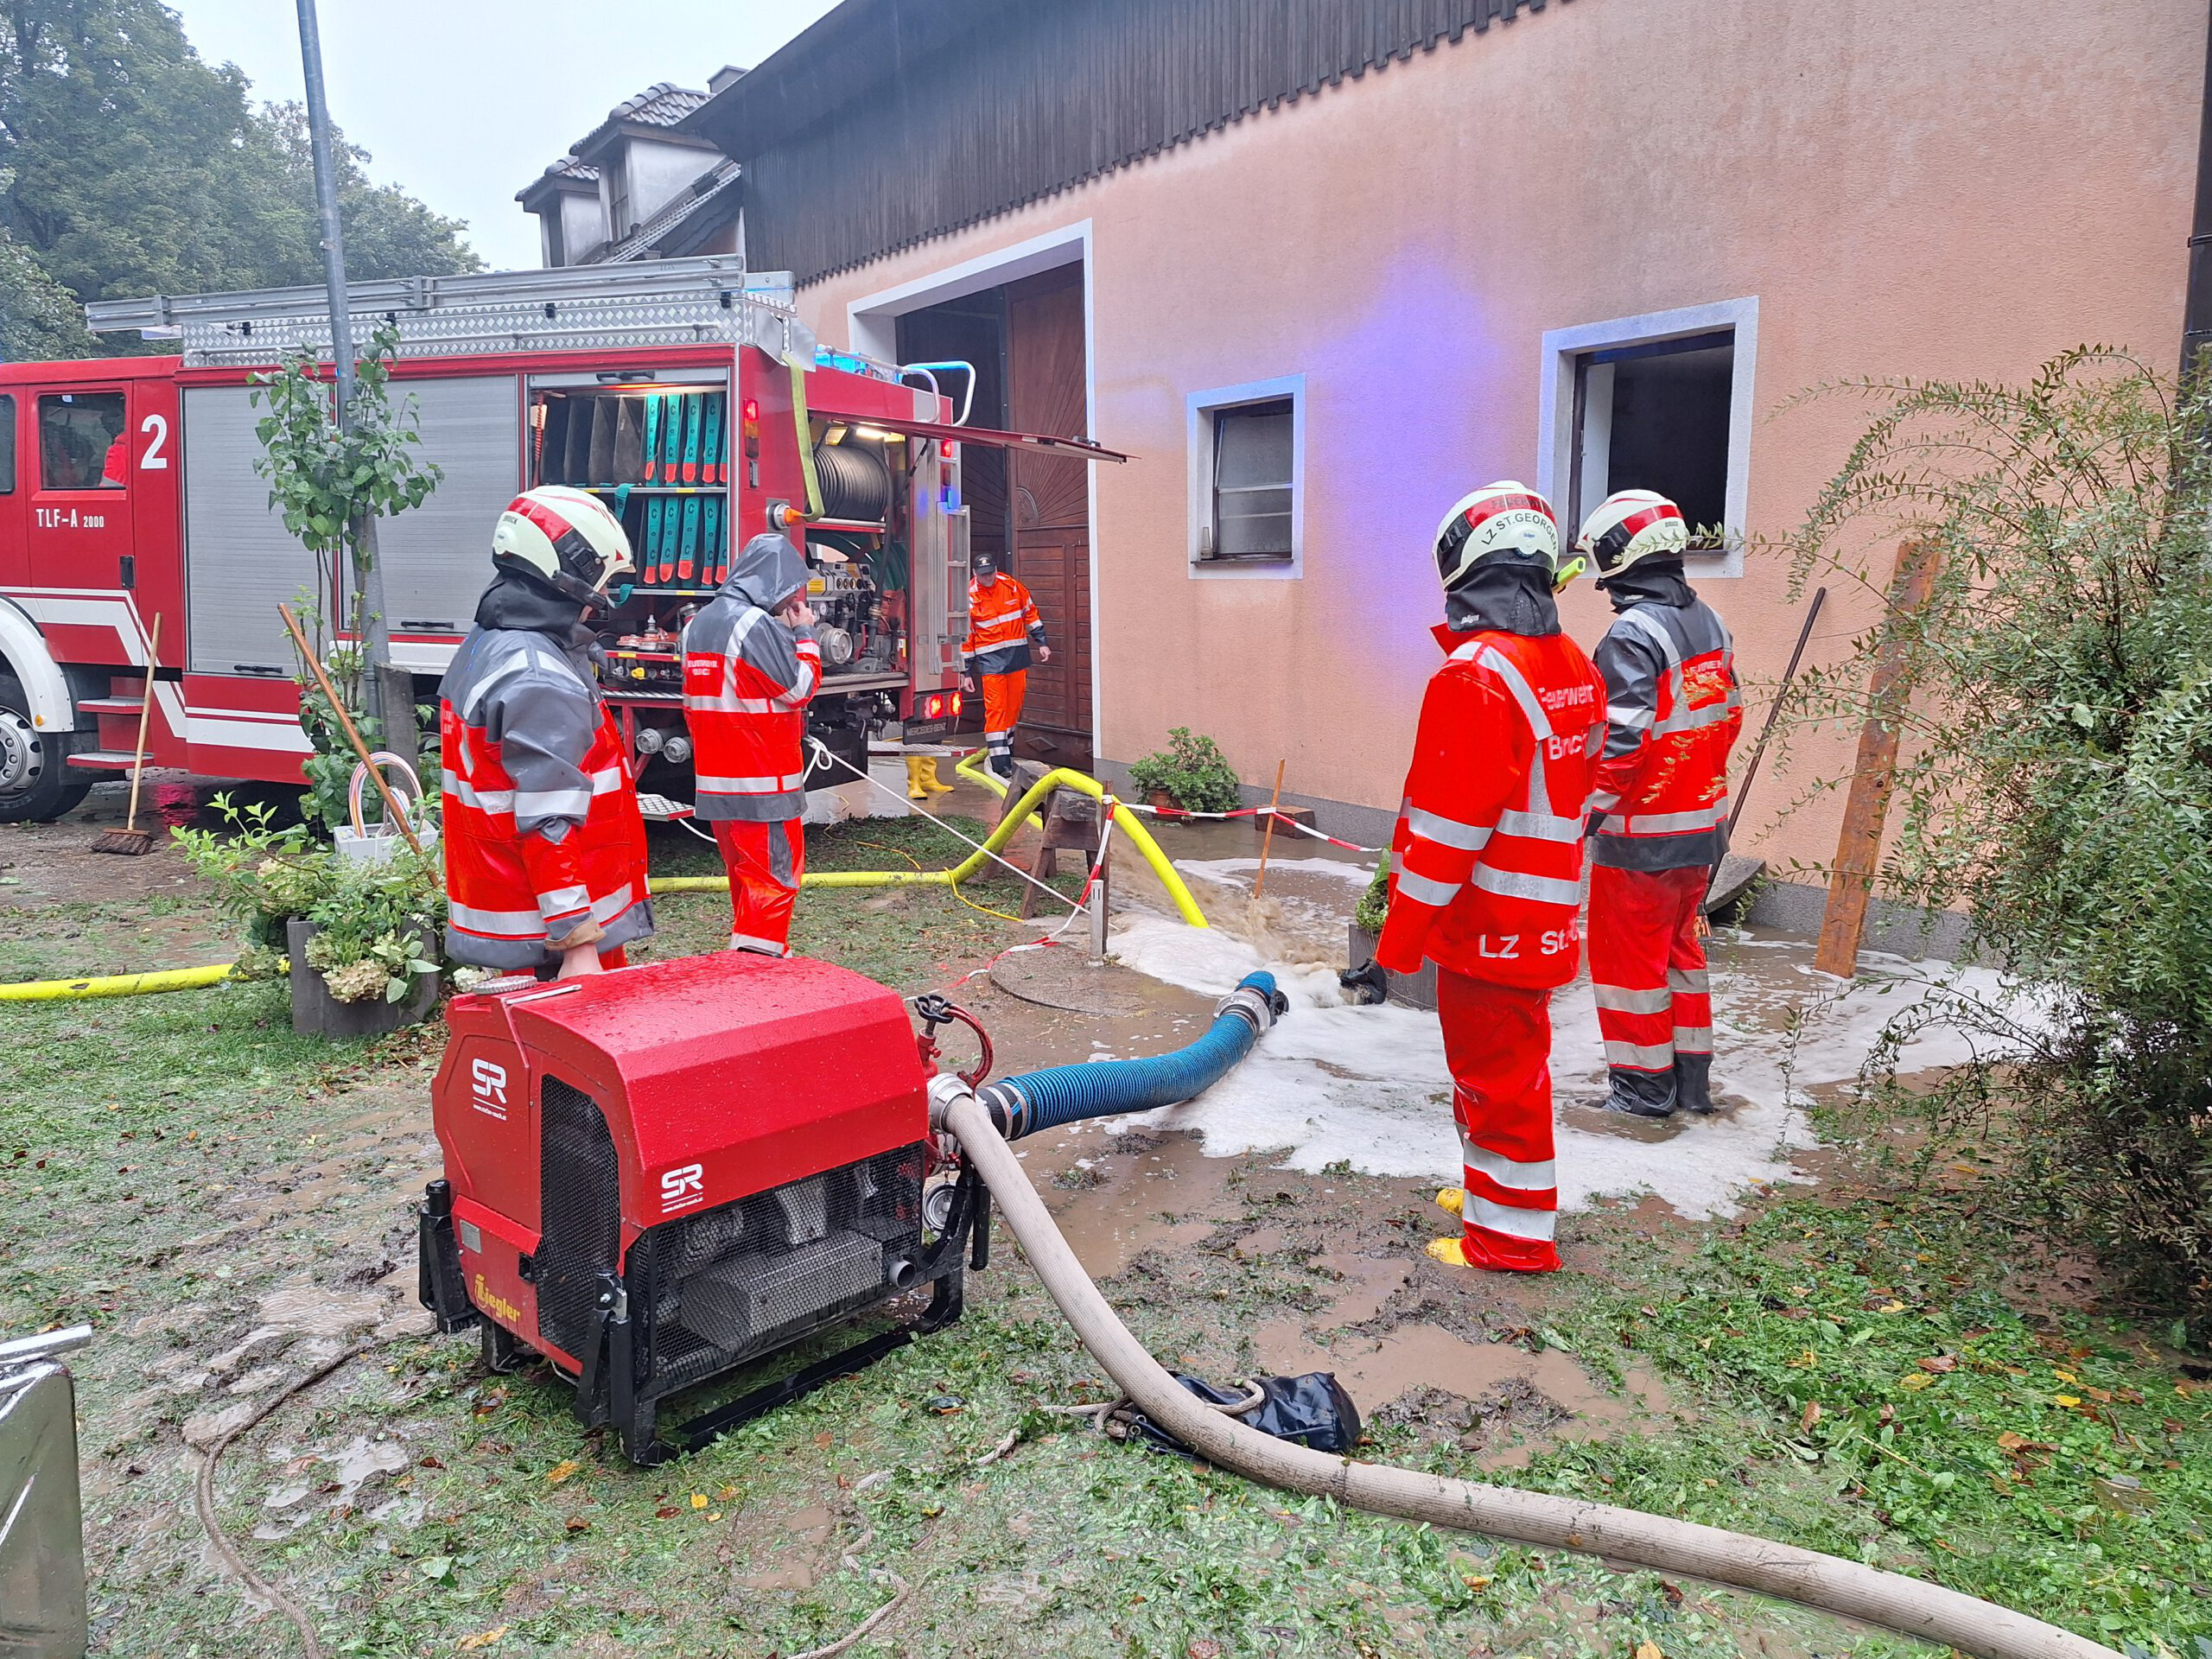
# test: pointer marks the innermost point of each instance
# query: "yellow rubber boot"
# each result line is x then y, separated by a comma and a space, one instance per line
1452, 1200
915, 792
1452, 1252
931, 781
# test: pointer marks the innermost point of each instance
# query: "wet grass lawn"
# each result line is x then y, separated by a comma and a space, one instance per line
1879, 1370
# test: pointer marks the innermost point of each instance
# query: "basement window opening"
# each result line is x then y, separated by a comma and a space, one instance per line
1247, 479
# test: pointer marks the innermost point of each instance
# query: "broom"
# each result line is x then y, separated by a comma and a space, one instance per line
130, 840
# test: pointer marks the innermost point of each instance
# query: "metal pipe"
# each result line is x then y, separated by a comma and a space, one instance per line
1789, 676
376, 634
2197, 311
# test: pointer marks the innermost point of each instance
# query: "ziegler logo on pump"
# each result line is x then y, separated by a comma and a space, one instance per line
488, 1087
682, 1188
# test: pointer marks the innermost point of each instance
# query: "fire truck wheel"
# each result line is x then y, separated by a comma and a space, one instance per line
35, 786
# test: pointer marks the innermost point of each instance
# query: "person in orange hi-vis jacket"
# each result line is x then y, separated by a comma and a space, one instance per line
1486, 864
545, 846
751, 665
1659, 820
1002, 624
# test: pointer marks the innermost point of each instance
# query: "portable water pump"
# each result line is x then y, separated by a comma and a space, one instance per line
657, 1177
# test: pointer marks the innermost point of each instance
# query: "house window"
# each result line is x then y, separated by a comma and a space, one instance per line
1247, 479
1662, 402
618, 198
80, 443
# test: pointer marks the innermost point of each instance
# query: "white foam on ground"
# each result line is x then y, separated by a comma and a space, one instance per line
1368, 1085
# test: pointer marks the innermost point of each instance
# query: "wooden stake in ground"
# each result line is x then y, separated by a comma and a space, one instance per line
345, 721
1859, 848
130, 840
1267, 841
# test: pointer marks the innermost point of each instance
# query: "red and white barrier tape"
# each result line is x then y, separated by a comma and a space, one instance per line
1282, 821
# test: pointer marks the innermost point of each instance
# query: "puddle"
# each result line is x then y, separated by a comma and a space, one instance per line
1150, 1184
318, 1311
1369, 1086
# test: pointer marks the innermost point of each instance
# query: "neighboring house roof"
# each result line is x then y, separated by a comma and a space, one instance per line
659, 109
710, 203
885, 123
567, 174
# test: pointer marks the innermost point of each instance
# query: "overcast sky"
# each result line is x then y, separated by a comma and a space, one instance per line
463, 102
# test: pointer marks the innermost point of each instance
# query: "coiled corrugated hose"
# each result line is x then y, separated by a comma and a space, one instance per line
983, 1123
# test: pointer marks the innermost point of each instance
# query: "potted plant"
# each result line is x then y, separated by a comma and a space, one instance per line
1190, 773
361, 936
1414, 990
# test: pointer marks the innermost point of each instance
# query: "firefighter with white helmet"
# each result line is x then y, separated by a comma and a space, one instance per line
1486, 864
546, 848
1659, 819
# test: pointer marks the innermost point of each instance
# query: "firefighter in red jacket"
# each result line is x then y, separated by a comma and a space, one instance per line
1487, 862
545, 850
1672, 712
1002, 624
751, 665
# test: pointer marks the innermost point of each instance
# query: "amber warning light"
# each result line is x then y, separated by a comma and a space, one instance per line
939, 705
751, 428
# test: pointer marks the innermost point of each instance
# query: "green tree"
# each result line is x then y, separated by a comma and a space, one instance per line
129, 166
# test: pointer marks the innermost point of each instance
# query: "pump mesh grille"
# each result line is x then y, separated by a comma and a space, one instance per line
580, 1206
732, 1282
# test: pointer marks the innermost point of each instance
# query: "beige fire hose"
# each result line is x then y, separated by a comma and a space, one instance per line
1909, 1606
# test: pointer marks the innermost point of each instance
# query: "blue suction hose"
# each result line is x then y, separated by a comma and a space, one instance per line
1067, 1094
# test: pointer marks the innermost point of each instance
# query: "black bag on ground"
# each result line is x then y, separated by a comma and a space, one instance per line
1312, 1411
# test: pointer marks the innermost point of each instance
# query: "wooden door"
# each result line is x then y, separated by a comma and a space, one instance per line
1049, 502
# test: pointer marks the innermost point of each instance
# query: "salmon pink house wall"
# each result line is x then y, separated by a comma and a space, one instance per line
1958, 189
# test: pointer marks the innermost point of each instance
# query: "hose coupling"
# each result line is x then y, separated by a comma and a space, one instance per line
946, 1088
1256, 1001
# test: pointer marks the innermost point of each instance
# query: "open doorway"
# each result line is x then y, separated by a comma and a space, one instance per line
1027, 340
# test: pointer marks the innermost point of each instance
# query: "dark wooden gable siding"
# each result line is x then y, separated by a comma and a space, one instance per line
895, 120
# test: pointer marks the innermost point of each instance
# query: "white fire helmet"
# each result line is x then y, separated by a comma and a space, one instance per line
1630, 525
565, 537
1501, 519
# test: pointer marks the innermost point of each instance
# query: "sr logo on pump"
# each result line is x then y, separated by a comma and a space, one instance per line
488, 1092
682, 1188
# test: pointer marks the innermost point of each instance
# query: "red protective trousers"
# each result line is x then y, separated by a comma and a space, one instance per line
1497, 1041
1002, 695
765, 861
1655, 1003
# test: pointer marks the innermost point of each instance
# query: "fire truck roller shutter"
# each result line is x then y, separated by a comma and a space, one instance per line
240, 563
437, 558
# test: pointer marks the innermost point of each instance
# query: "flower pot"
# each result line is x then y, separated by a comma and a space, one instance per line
316, 1013
1407, 990
1163, 802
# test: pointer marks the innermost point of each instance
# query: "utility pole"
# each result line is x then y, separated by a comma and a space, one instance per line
376, 631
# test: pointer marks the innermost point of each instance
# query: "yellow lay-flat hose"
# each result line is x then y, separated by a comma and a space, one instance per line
1008, 826
170, 979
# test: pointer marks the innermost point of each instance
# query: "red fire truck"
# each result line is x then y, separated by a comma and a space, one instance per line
688, 393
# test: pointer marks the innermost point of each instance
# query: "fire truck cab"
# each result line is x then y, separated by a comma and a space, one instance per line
686, 393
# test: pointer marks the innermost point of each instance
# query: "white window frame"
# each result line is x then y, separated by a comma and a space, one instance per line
1200, 408
1556, 415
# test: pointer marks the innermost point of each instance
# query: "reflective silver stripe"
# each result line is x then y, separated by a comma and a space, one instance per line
1619, 714
1539, 1226
1537, 1176
730, 705
551, 803
1696, 980
1422, 891
564, 901
1697, 1039
1622, 1000
474, 707
810, 676
1691, 720
502, 924
1539, 826
759, 946
1450, 832
608, 780
1641, 1057
750, 785
1665, 823
1654, 630
484, 800
1515, 884
1604, 801
1502, 665
607, 909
